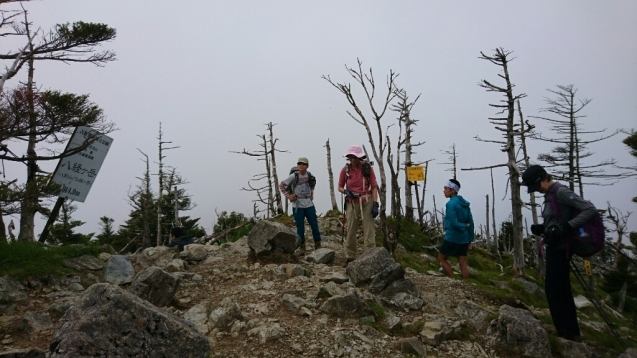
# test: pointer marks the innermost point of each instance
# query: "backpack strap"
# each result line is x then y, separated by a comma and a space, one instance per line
553, 201
558, 214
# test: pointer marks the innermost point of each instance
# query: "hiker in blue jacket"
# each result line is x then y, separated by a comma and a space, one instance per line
557, 283
459, 228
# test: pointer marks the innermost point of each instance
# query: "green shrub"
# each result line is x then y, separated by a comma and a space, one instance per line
21, 259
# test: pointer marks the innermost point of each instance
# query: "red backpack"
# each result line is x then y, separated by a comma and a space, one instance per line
583, 246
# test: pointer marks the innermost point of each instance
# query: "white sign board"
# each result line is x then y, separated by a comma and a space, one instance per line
76, 173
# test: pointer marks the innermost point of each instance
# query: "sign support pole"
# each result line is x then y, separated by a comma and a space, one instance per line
52, 217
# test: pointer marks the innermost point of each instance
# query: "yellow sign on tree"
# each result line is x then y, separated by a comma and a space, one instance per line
416, 173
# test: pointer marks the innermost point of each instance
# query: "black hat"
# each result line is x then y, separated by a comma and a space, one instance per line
532, 177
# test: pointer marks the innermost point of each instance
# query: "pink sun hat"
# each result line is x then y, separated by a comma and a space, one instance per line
356, 151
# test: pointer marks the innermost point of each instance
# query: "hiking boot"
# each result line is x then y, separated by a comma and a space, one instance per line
317, 245
349, 259
302, 250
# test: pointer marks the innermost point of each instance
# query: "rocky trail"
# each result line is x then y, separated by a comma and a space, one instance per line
226, 301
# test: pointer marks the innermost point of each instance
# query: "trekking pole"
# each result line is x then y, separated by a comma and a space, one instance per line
343, 205
598, 306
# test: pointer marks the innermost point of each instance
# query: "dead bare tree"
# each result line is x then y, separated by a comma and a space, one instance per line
275, 176
495, 226
487, 235
142, 200
377, 143
160, 177
421, 201
405, 120
525, 127
395, 192
510, 130
566, 159
619, 220
265, 193
330, 175
453, 160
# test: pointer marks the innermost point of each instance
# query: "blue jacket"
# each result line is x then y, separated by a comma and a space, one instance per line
457, 216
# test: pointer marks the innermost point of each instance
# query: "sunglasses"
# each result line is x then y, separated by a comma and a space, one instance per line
301, 163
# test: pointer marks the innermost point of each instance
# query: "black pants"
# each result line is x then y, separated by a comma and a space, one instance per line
559, 295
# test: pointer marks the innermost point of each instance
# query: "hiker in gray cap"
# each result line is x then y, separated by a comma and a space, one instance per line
299, 189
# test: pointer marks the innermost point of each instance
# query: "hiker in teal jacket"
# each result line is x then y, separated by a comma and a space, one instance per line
459, 228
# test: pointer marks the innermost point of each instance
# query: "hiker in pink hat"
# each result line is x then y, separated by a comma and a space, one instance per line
357, 182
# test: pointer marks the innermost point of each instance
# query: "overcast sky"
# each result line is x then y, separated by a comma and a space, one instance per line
214, 72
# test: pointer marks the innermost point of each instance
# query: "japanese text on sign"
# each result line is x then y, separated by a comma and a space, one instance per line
76, 173
416, 173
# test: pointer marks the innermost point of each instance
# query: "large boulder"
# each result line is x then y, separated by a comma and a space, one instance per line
407, 301
573, 349
518, 329
83, 263
155, 286
159, 256
370, 263
35, 322
267, 236
401, 286
198, 315
11, 290
348, 305
108, 321
473, 313
23, 353
225, 314
531, 287
321, 256
194, 253
389, 274
411, 346
118, 270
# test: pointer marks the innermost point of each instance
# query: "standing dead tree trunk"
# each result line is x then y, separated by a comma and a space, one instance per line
453, 160
272, 151
143, 199
404, 108
330, 175
524, 128
510, 130
271, 186
495, 226
395, 190
487, 234
160, 176
367, 82
421, 204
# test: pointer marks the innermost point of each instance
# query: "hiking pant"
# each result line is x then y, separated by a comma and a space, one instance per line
559, 295
300, 214
369, 234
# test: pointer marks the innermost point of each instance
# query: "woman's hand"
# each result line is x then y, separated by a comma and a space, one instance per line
292, 197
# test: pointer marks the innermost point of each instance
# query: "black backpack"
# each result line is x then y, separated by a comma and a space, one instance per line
367, 168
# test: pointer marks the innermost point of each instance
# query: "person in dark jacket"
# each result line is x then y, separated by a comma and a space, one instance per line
459, 228
557, 283
179, 238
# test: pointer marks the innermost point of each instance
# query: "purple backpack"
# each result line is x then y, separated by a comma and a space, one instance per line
594, 227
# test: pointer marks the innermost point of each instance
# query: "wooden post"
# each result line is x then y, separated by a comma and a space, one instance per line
49, 223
